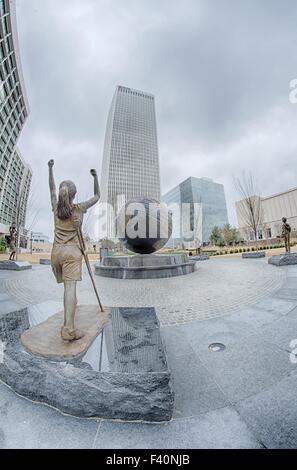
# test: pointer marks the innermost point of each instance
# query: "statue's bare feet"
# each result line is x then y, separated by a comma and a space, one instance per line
71, 335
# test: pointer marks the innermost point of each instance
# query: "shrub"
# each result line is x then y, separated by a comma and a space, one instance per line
248, 249
253, 248
236, 251
240, 250
244, 250
231, 252
3, 245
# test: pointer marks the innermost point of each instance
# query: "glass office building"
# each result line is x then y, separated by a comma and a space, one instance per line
130, 166
15, 175
199, 204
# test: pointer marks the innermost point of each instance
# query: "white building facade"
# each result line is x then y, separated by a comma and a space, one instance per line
130, 166
273, 209
15, 174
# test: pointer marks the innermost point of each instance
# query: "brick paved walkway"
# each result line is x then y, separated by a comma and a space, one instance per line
217, 288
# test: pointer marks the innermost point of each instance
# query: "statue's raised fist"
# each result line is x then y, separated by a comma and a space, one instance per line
93, 172
51, 163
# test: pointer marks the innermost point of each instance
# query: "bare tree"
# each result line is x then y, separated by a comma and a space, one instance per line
27, 200
33, 207
250, 206
20, 199
198, 226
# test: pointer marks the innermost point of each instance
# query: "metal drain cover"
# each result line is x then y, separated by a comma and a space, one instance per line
216, 347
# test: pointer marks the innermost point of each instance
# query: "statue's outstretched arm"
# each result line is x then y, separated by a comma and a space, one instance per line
52, 184
93, 200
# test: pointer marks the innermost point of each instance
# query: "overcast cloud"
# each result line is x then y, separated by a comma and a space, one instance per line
220, 71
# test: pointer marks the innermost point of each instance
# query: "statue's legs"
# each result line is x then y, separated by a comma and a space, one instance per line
288, 244
69, 332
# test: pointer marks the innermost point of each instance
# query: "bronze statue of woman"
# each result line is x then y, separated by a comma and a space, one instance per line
66, 258
13, 234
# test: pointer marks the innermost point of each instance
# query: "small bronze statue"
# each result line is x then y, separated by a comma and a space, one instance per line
67, 252
286, 233
13, 234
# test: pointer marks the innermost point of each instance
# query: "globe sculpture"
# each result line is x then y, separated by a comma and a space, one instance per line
144, 225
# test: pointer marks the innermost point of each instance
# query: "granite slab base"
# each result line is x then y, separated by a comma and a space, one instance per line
15, 265
45, 339
254, 255
153, 266
285, 259
45, 261
199, 258
124, 375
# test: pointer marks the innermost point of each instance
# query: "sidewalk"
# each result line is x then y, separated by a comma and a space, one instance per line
241, 397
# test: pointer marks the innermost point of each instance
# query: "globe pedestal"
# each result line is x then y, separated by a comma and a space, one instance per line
145, 266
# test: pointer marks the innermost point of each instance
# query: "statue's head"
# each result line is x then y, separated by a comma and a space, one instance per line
67, 192
284, 220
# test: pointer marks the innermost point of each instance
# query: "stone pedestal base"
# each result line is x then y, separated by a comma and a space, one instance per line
123, 375
145, 266
285, 259
44, 261
45, 339
15, 265
254, 255
199, 258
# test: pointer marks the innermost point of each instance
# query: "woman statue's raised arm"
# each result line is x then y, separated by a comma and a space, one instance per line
93, 200
52, 184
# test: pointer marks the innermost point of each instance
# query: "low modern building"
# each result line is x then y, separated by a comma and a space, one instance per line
39, 243
15, 174
198, 205
273, 209
38, 237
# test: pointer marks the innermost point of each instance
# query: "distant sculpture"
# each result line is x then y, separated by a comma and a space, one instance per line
286, 233
68, 248
13, 234
153, 220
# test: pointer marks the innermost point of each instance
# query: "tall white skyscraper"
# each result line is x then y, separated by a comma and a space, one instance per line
130, 166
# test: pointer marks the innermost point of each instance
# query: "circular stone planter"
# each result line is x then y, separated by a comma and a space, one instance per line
254, 255
145, 266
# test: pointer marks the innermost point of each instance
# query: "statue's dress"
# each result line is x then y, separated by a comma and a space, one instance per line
66, 258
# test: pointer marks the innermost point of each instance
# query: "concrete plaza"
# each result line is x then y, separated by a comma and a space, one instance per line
241, 397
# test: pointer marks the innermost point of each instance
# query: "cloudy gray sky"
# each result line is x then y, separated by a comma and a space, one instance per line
220, 71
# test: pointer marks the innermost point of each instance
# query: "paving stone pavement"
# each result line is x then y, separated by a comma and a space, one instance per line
241, 397
217, 288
